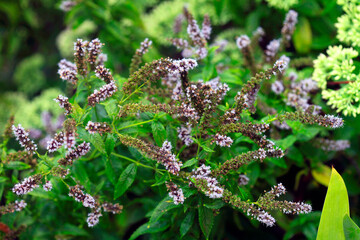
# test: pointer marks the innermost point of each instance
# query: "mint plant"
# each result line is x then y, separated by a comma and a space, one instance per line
173, 126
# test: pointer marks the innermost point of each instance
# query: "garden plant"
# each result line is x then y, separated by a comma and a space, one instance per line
167, 120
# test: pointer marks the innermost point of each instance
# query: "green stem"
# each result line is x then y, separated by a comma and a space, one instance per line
139, 123
136, 162
136, 90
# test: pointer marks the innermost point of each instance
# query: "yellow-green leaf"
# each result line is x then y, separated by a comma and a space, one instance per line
336, 206
322, 174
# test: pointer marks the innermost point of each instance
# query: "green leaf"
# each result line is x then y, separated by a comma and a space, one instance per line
69, 229
160, 181
126, 178
98, 142
171, 135
17, 165
285, 143
206, 148
217, 204
322, 174
110, 107
164, 206
190, 162
149, 228
3, 179
187, 223
336, 206
351, 230
206, 220
158, 132
280, 162
109, 170
110, 144
302, 36
80, 173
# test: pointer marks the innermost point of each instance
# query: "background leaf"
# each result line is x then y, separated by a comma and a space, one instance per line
336, 206
127, 177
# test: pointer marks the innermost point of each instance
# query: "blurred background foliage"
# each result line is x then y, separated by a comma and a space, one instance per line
36, 35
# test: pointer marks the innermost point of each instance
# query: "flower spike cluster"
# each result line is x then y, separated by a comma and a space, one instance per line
12, 207
79, 196
23, 137
79, 151
207, 184
97, 127
103, 93
56, 142
64, 103
27, 185
67, 71
175, 193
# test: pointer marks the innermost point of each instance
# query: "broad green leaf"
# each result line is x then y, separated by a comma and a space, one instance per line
109, 170
160, 181
80, 173
158, 132
206, 148
69, 229
206, 220
187, 223
351, 230
302, 36
165, 205
149, 228
98, 142
17, 165
336, 206
190, 162
285, 143
280, 162
40, 194
3, 179
217, 204
322, 174
171, 135
127, 177
110, 107
110, 144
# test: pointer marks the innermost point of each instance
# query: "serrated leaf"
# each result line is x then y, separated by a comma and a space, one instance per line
126, 178
285, 143
160, 181
280, 162
17, 165
149, 228
189, 163
81, 174
110, 144
69, 229
158, 132
206, 220
39, 194
217, 204
165, 205
109, 170
171, 135
351, 230
110, 107
98, 142
206, 148
3, 179
187, 223
336, 206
